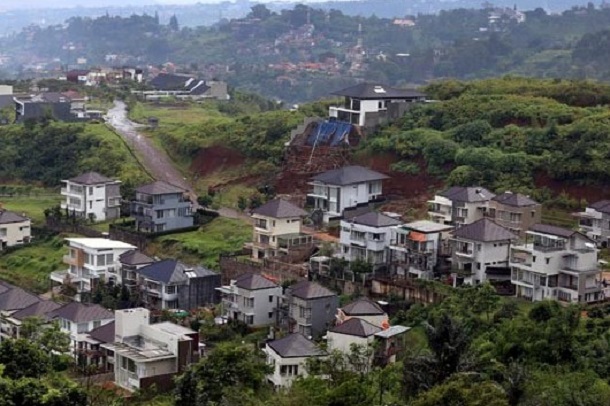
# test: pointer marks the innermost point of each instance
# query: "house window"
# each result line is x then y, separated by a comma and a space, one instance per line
90, 204
377, 237
82, 328
91, 190
270, 314
249, 320
170, 289
248, 302
101, 260
479, 247
302, 311
289, 370
159, 214
548, 260
478, 265
270, 298
96, 324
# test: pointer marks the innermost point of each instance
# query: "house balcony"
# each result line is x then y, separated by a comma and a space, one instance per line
465, 253
71, 192
71, 207
170, 296
287, 241
61, 277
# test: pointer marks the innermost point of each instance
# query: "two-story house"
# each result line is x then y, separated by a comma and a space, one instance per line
459, 205
288, 356
11, 325
366, 238
171, 284
515, 211
131, 262
12, 300
14, 229
365, 309
146, 354
348, 187
160, 206
372, 104
251, 299
420, 249
556, 263
311, 308
277, 229
92, 195
480, 253
594, 222
89, 261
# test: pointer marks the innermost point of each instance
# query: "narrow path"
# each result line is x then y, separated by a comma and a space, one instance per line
156, 162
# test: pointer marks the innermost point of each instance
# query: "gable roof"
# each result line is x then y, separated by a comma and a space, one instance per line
251, 281
38, 309
363, 307
515, 199
469, 194
103, 334
279, 209
603, 206
484, 230
16, 299
172, 271
349, 175
7, 217
295, 345
552, 230
78, 312
356, 327
135, 257
91, 178
375, 219
310, 290
378, 91
168, 81
159, 188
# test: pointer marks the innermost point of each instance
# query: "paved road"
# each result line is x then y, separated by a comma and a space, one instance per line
156, 161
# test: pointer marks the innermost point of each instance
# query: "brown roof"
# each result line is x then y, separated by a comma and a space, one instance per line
279, 209
363, 307
356, 327
159, 188
310, 290
91, 178
484, 230
295, 345
7, 217
135, 257
77, 312
251, 281
552, 230
103, 334
515, 199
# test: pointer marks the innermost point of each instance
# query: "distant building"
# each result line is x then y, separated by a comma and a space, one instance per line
460, 205
595, 222
185, 87
159, 206
92, 194
515, 211
43, 106
14, 229
12, 300
311, 308
288, 357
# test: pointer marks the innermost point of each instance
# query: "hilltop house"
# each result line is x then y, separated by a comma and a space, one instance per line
170, 284
14, 229
366, 238
159, 206
288, 357
147, 355
595, 222
89, 261
460, 205
251, 299
92, 195
515, 211
419, 249
311, 308
348, 187
480, 253
277, 229
556, 263
365, 309
371, 105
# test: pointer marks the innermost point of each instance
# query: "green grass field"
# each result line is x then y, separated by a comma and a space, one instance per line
206, 244
32, 206
181, 114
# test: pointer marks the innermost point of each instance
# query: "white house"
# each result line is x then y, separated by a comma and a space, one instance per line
252, 299
480, 253
90, 260
365, 309
459, 205
277, 229
92, 194
366, 238
288, 357
595, 222
556, 263
370, 105
14, 229
149, 354
345, 188
419, 249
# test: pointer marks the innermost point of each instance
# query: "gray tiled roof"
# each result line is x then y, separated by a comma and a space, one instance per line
295, 345
484, 230
7, 217
515, 199
310, 290
172, 271
603, 206
279, 209
251, 281
375, 219
356, 327
103, 334
77, 312
363, 307
377, 91
467, 194
552, 230
91, 178
17, 299
38, 309
349, 175
159, 188
135, 257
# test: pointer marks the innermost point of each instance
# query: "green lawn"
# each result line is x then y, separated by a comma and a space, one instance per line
32, 206
29, 267
181, 114
206, 244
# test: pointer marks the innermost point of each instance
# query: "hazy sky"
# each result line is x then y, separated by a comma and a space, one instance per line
24, 4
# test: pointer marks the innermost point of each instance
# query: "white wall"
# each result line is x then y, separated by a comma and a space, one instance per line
276, 227
490, 254
276, 361
343, 342
262, 305
15, 233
